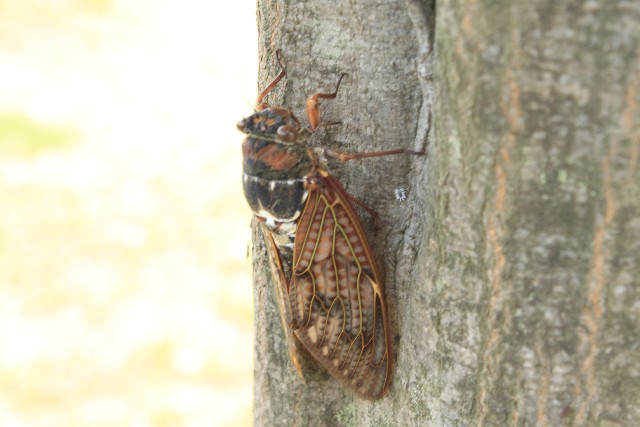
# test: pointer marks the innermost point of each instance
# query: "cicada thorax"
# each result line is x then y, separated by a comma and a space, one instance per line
276, 164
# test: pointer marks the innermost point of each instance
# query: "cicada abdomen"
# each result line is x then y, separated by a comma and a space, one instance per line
329, 287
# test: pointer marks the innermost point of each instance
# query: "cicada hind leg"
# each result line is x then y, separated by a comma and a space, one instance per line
343, 156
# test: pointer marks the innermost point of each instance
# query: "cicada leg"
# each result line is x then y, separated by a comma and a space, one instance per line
274, 82
345, 157
360, 203
313, 106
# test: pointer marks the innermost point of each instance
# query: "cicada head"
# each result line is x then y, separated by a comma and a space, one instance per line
275, 124
276, 145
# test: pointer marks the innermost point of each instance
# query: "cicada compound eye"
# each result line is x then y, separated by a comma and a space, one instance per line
287, 133
242, 123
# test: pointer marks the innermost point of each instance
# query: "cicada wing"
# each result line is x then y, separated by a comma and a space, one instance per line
281, 285
336, 294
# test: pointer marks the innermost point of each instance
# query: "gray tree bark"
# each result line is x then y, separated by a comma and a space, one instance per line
512, 267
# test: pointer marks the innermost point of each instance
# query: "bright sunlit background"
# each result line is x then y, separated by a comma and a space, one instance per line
125, 290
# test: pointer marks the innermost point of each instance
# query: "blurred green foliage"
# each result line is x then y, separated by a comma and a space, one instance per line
21, 136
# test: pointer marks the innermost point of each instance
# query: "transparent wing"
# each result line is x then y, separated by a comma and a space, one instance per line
282, 290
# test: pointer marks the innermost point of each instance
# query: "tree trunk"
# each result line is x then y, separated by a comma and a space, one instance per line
512, 267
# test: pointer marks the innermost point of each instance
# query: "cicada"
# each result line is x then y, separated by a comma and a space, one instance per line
328, 285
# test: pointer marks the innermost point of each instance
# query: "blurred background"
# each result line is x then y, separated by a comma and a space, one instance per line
125, 285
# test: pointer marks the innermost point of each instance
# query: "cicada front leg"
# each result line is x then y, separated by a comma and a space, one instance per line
260, 105
313, 107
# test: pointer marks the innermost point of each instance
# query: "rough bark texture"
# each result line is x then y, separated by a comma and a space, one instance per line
512, 267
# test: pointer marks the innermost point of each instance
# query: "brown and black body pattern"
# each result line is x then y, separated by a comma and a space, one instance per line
274, 171
329, 287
